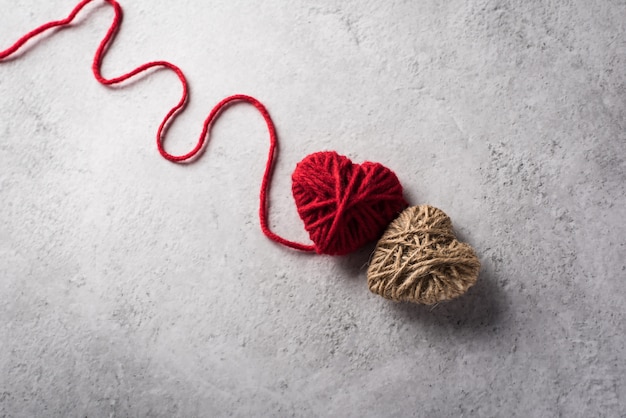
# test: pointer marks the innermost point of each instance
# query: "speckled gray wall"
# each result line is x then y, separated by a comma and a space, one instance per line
130, 286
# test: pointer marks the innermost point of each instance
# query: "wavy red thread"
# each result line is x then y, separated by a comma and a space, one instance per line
97, 61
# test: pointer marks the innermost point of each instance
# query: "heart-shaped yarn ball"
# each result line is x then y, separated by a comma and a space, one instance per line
344, 205
418, 259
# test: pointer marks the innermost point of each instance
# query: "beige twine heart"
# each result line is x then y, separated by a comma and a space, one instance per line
418, 259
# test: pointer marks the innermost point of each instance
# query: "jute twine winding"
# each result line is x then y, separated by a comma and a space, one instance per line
418, 259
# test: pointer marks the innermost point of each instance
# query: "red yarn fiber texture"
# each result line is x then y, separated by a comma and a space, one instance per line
345, 205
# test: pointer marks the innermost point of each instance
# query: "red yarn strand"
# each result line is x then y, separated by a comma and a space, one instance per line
169, 117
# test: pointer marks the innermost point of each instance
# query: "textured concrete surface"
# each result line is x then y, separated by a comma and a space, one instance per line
130, 286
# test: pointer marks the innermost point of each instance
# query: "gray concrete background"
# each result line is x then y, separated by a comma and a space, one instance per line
130, 286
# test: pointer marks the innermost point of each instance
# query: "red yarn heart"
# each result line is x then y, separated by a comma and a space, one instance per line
344, 205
